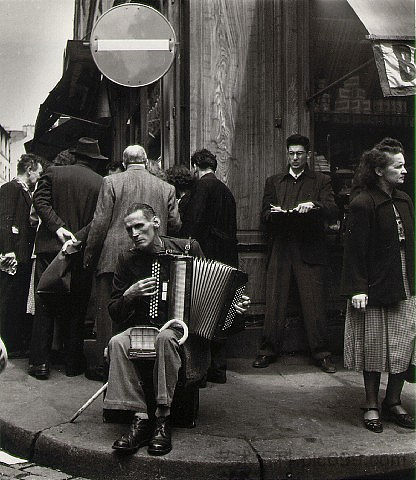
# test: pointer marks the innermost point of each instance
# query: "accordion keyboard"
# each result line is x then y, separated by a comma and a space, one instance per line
154, 301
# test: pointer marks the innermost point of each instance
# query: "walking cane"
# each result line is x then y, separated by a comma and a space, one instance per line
89, 401
104, 387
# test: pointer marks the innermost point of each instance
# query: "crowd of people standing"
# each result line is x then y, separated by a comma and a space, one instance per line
48, 208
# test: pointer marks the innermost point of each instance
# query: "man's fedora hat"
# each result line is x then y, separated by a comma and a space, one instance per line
89, 148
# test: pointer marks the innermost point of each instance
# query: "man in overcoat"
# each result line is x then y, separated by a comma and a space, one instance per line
65, 201
16, 243
107, 237
296, 205
210, 217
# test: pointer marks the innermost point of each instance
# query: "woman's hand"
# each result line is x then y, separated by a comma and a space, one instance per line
359, 301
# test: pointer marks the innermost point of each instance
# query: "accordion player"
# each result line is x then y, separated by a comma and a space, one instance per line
200, 292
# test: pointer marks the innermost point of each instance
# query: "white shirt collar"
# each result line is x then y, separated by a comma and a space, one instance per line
295, 175
23, 184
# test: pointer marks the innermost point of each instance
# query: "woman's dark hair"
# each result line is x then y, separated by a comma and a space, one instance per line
180, 177
390, 145
154, 169
378, 157
64, 158
113, 166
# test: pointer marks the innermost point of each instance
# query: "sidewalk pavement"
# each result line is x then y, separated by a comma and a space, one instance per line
289, 420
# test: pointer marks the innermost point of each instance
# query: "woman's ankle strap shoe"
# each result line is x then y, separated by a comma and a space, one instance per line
373, 424
404, 420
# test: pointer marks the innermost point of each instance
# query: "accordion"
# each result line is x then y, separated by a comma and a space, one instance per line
200, 292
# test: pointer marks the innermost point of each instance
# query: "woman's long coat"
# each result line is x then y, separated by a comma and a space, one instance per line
372, 263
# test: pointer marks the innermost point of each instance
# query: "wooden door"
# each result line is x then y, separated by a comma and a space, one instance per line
248, 78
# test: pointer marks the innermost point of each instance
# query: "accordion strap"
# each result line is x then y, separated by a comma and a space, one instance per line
174, 321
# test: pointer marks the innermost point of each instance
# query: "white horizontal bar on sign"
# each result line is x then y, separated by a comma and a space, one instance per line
133, 44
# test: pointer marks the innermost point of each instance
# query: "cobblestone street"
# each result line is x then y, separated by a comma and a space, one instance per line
31, 471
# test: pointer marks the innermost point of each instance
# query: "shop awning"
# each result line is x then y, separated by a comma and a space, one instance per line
391, 28
65, 135
386, 19
75, 95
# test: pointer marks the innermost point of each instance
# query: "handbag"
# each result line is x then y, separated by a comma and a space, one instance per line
56, 279
410, 374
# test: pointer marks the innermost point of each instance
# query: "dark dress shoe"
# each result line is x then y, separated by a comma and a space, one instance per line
203, 382
16, 354
263, 361
374, 424
98, 373
161, 442
327, 365
404, 420
139, 434
41, 372
217, 376
74, 371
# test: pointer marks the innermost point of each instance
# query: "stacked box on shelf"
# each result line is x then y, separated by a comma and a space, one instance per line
378, 105
359, 93
323, 103
342, 105
352, 82
366, 106
344, 93
355, 106
321, 164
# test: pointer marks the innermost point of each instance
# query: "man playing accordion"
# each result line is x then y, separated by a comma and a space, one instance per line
133, 288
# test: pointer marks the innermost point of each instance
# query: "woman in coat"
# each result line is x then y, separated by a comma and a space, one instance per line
378, 279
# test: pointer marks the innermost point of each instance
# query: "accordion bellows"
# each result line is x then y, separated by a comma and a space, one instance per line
200, 292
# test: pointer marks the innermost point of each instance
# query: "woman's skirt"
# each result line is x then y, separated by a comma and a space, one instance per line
381, 339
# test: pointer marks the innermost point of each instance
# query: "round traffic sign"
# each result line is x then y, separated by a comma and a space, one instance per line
133, 44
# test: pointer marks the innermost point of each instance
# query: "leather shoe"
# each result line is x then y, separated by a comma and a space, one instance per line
372, 424
217, 376
98, 373
74, 371
41, 372
404, 420
203, 382
263, 361
161, 443
326, 365
138, 435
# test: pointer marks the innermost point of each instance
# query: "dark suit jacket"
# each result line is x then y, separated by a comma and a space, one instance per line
16, 234
210, 218
108, 237
372, 262
66, 196
307, 229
